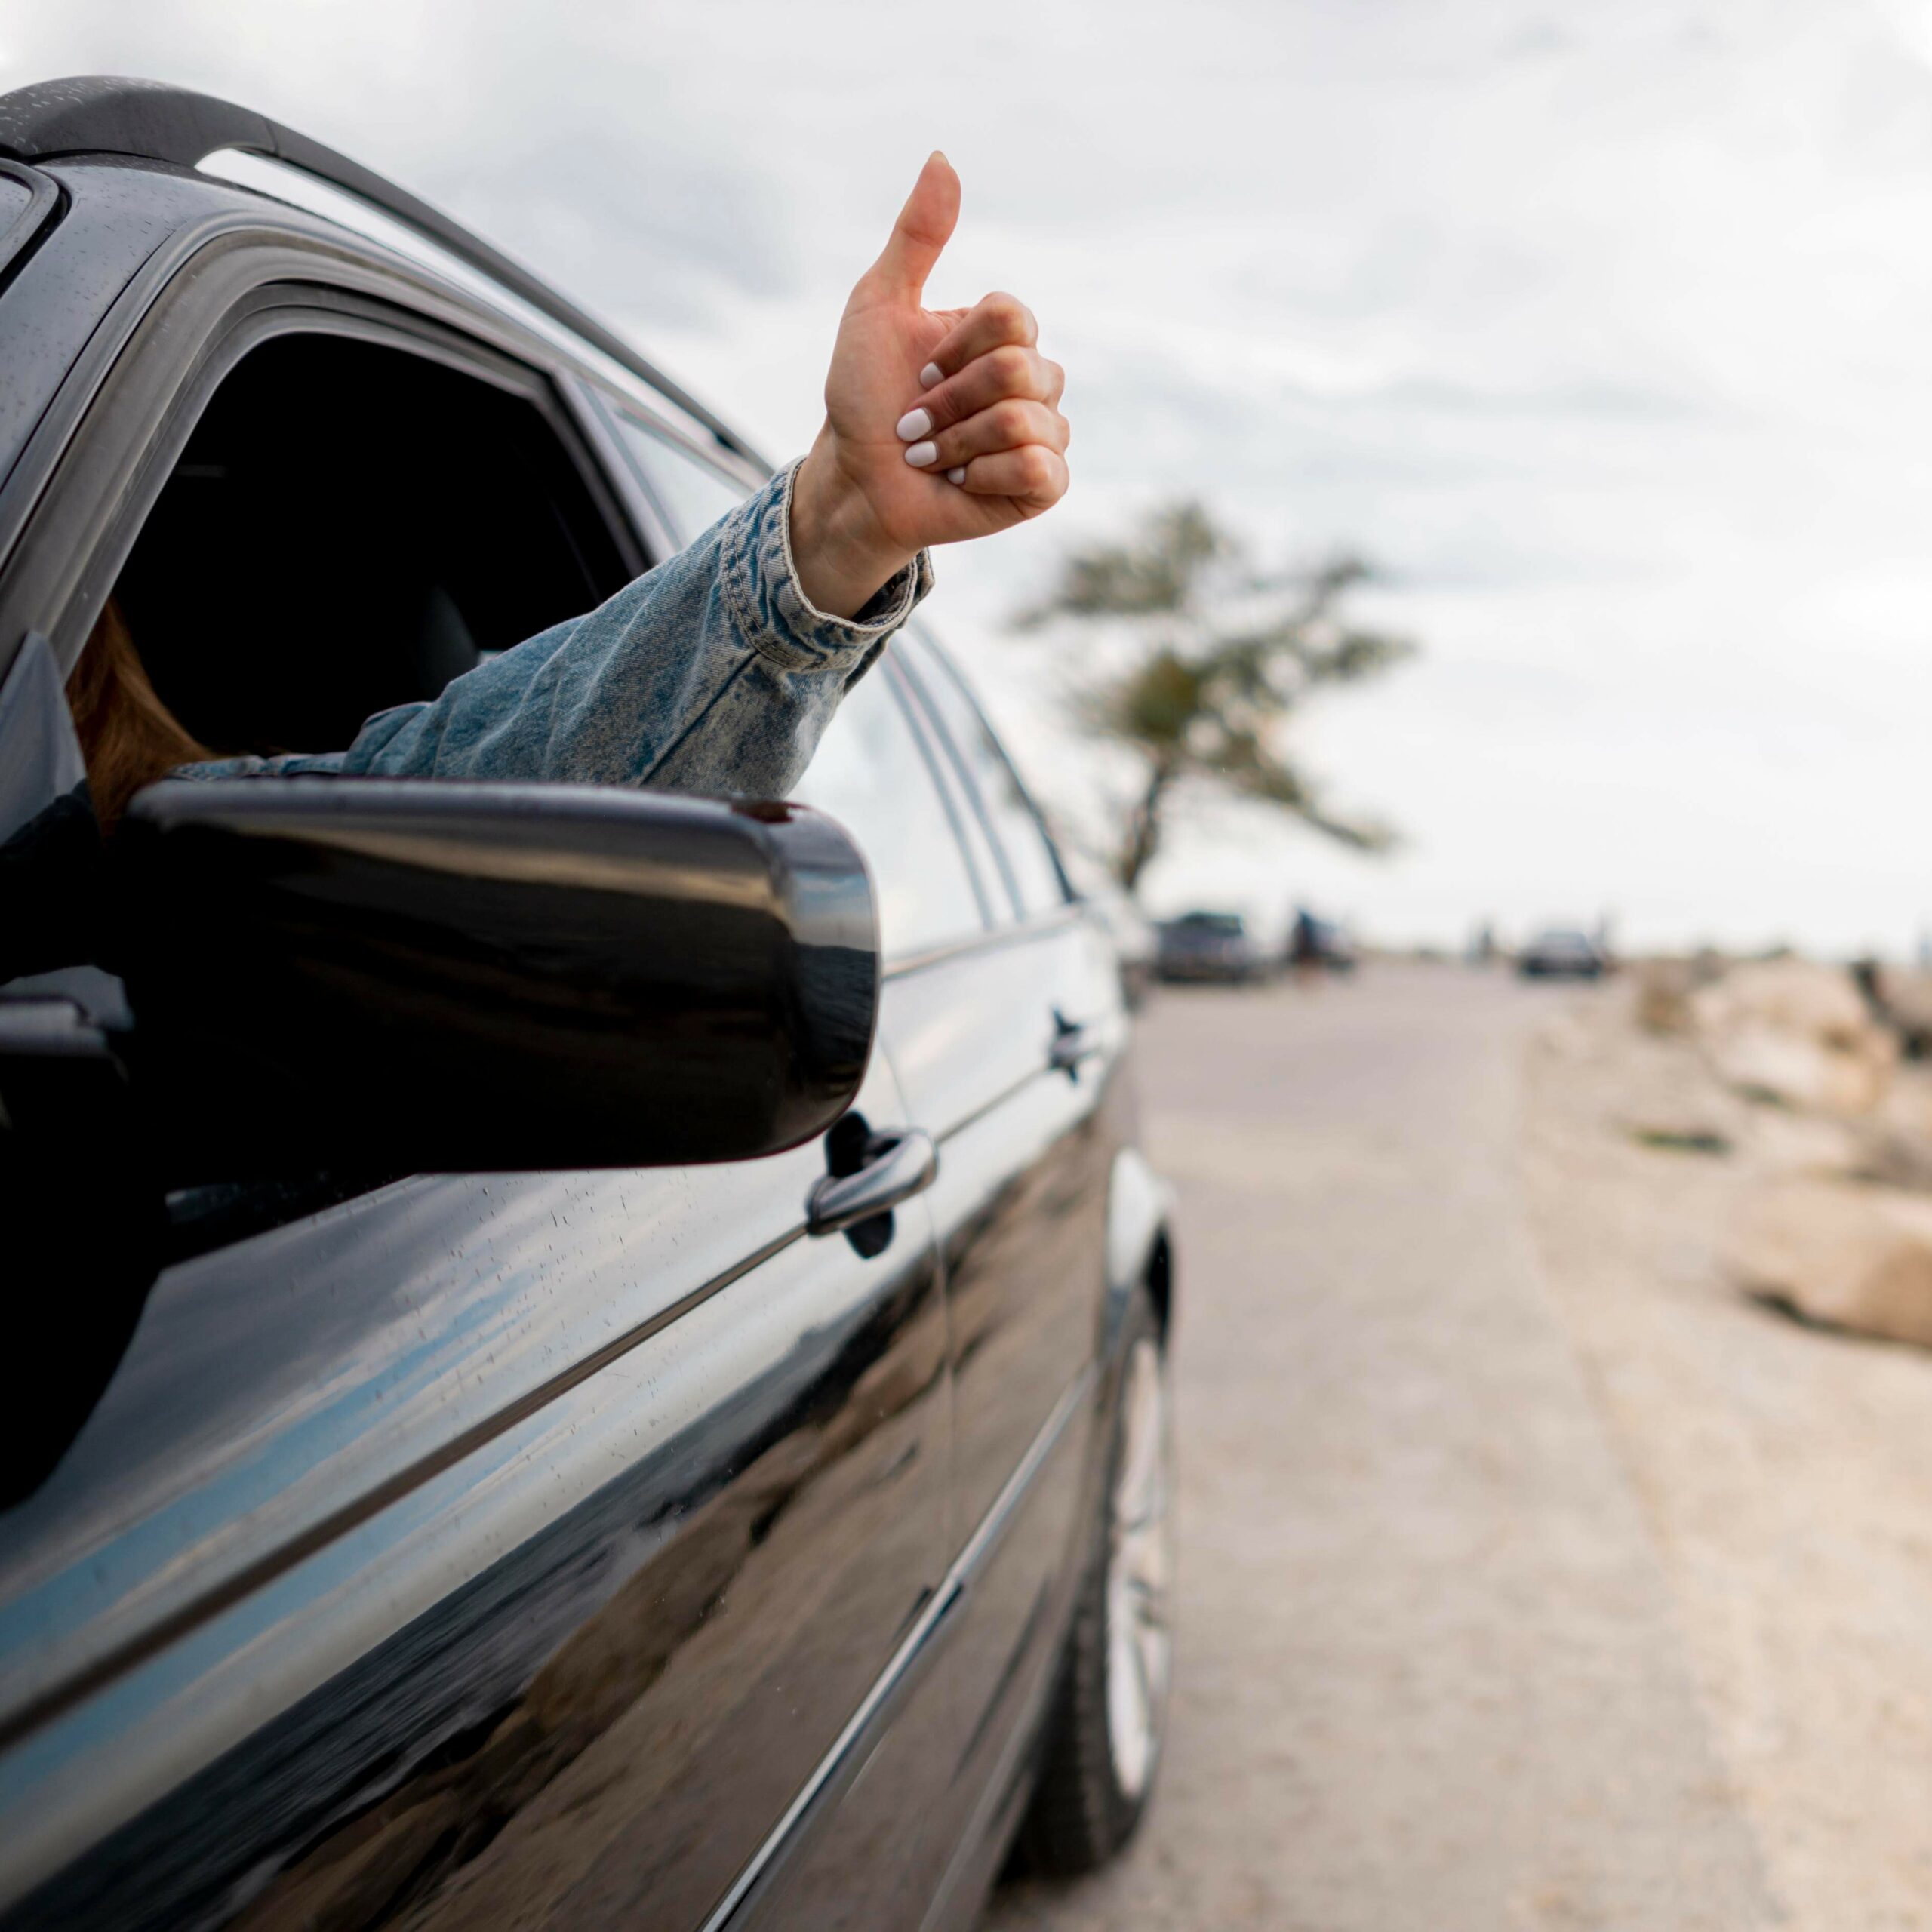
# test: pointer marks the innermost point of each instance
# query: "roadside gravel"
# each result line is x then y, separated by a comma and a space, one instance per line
1786, 1472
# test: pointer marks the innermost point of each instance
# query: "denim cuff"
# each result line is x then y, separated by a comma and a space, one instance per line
776, 618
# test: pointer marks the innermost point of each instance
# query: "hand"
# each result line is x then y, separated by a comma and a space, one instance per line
940, 424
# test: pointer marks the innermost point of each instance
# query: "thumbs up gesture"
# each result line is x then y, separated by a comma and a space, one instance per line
940, 424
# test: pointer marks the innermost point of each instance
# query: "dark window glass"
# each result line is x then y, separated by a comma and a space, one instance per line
349, 527
870, 774
1032, 873
692, 493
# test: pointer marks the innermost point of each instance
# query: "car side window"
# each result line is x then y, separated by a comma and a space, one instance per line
349, 526
692, 494
871, 775
1032, 873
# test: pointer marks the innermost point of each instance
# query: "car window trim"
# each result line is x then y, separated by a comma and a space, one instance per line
918, 1651
908, 709
25, 233
975, 796
730, 467
164, 413
647, 487
194, 280
1019, 932
648, 516
937, 653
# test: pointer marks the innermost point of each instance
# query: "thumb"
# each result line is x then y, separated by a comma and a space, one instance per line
924, 227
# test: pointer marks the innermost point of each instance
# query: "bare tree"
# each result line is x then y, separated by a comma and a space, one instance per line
1223, 656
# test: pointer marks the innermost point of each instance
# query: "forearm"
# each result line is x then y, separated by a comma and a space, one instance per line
713, 672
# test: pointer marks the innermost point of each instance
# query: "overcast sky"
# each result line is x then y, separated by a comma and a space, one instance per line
1605, 327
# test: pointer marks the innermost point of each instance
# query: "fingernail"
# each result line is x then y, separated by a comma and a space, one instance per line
956, 475
914, 424
922, 456
931, 376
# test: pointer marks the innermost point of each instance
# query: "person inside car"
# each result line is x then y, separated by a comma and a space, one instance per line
717, 671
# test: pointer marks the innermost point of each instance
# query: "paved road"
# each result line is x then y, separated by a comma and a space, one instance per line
1428, 1675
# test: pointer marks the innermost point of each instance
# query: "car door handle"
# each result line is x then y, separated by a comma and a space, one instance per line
898, 1165
1074, 1040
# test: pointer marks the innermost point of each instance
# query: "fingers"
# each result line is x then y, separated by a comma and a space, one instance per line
924, 227
1010, 372
1006, 425
1034, 477
993, 426
992, 322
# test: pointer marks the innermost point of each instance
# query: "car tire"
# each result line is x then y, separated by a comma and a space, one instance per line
1108, 1719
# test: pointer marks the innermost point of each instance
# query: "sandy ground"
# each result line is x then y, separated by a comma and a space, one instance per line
1531, 1578
1786, 1474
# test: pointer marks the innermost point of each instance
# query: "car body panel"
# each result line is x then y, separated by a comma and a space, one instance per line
1020, 1207
275, 1386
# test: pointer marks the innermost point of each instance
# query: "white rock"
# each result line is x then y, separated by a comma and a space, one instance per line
1792, 1143
1795, 1032
1907, 1108
1790, 996
1800, 1072
1857, 1258
1907, 999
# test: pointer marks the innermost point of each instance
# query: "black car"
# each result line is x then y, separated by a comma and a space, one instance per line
575, 1358
1561, 952
1320, 944
1209, 945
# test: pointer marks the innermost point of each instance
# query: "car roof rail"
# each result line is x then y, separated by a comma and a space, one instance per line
151, 121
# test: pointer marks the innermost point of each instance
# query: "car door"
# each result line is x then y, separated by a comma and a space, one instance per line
1010, 1051
471, 1551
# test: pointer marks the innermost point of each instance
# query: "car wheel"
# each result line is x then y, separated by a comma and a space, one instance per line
1109, 1717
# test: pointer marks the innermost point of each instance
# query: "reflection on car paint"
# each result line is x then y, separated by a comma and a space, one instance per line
743, 1489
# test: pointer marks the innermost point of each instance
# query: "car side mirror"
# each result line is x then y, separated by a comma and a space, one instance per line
418, 975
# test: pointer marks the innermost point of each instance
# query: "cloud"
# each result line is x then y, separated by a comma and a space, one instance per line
1602, 325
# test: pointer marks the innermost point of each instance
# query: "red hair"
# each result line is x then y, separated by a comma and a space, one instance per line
128, 737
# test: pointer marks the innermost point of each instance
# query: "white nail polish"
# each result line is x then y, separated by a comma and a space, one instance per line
914, 424
956, 475
923, 455
931, 376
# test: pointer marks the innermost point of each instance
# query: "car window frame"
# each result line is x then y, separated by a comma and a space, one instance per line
956, 758
884, 674
122, 447
910, 669
614, 409
893, 665
70, 506
121, 439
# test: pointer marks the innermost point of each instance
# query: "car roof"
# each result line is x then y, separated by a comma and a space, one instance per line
112, 115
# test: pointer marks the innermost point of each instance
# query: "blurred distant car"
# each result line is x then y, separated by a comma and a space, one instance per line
1321, 944
1561, 952
1209, 945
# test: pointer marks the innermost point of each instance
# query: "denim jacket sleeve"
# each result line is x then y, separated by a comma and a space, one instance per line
711, 673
